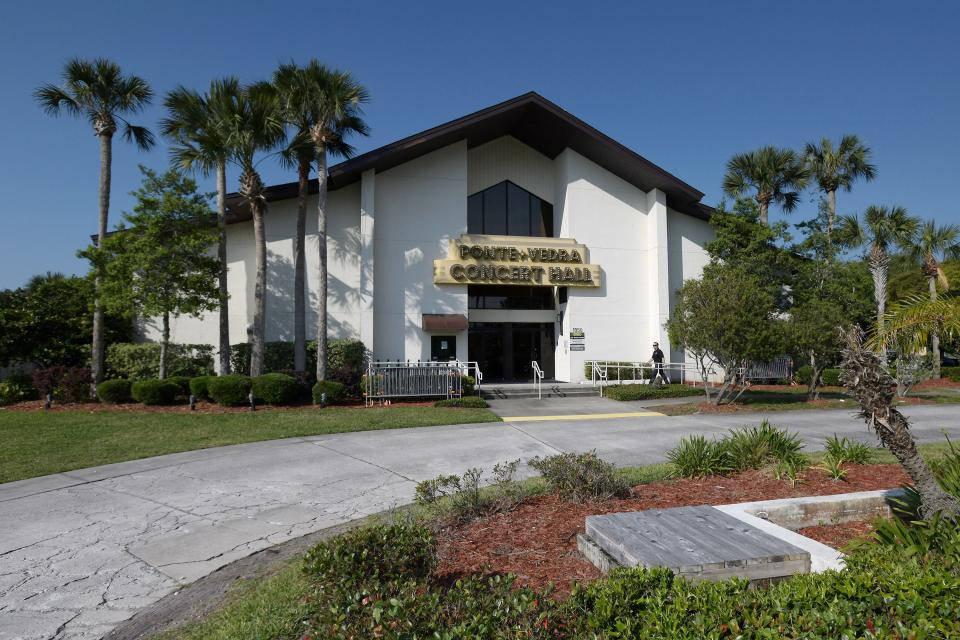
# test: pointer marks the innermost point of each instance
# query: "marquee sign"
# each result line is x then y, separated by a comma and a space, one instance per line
516, 260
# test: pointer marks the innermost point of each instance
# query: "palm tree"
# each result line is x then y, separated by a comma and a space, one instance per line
195, 124
324, 107
882, 227
930, 245
98, 91
838, 168
774, 175
251, 125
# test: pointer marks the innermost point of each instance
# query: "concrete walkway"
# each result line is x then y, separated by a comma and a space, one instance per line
82, 551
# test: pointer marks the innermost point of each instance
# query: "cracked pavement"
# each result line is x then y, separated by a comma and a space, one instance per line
82, 551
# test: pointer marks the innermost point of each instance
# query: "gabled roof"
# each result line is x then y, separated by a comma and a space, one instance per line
531, 119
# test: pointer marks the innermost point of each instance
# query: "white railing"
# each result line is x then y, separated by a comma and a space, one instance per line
598, 374
474, 366
602, 372
537, 378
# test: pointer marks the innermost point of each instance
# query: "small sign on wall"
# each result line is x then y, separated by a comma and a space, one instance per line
578, 339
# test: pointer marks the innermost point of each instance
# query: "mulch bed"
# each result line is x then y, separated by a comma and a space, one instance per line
202, 407
838, 535
537, 540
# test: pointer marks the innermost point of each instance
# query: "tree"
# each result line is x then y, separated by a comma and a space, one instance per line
729, 319
882, 228
196, 125
776, 176
839, 168
866, 377
98, 91
49, 322
160, 265
253, 124
325, 106
930, 246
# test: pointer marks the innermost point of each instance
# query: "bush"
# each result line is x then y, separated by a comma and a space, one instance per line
580, 477
464, 496
336, 391
697, 457
468, 385
346, 360
628, 392
15, 388
275, 388
803, 374
951, 373
471, 402
141, 361
67, 384
848, 450
155, 392
229, 391
183, 382
739, 450
114, 391
198, 387
831, 378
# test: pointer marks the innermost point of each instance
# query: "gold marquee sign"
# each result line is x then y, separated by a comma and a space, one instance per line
544, 262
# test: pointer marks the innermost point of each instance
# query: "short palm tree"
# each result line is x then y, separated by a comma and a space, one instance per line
324, 107
98, 91
932, 244
252, 125
774, 176
835, 169
882, 228
195, 124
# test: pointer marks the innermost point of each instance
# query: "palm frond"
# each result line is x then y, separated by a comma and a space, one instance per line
908, 324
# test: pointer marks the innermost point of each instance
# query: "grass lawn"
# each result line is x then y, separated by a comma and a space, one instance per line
38, 443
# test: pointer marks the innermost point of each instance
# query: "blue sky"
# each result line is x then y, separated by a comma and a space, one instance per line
685, 84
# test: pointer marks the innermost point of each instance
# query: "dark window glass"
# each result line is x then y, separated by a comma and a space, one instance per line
518, 211
561, 295
506, 209
475, 213
483, 296
495, 210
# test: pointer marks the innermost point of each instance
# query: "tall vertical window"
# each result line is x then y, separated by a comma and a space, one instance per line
506, 209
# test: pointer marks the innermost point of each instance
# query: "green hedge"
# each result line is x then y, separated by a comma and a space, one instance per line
951, 373
155, 392
15, 388
114, 391
346, 360
830, 377
276, 388
618, 374
471, 402
198, 387
229, 391
648, 391
141, 361
336, 391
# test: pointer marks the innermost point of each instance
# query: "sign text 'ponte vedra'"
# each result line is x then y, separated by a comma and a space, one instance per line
553, 262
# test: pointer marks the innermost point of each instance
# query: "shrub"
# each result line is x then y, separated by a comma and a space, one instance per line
849, 450
464, 496
198, 387
580, 477
155, 392
275, 388
141, 361
336, 391
468, 385
951, 373
372, 555
803, 374
183, 382
831, 378
471, 402
114, 391
947, 472
67, 384
229, 391
15, 388
346, 359
697, 457
755, 447
628, 392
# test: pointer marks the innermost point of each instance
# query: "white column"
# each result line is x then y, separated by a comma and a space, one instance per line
367, 214
658, 268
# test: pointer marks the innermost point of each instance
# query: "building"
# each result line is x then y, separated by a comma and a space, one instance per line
515, 234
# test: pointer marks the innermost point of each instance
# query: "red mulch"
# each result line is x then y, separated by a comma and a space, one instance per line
202, 407
537, 540
942, 383
838, 535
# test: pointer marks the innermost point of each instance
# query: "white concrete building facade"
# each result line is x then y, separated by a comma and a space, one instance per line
515, 234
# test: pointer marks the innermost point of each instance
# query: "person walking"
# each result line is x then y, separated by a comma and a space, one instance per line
658, 369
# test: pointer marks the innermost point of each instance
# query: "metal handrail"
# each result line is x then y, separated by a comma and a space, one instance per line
474, 366
537, 378
600, 371
596, 373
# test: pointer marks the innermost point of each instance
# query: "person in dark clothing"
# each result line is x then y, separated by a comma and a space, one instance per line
658, 369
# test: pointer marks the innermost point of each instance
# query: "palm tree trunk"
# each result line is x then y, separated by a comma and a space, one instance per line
258, 207
764, 207
934, 331
222, 276
299, 271
879, 266
322, 276
164, 346
831, 214
97, 346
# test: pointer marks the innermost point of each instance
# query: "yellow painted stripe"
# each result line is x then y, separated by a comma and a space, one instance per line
584, 416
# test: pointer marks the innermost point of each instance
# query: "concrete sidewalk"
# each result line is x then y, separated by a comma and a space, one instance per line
82, 551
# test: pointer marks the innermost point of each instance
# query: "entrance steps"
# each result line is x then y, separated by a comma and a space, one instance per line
528, 390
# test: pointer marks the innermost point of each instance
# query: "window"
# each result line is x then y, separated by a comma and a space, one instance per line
484, 296
506, 209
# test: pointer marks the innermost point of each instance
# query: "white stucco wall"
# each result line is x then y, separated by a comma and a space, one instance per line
420, 206
507, 158
687, 256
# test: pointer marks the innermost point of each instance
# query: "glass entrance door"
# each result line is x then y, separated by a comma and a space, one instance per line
504, 350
